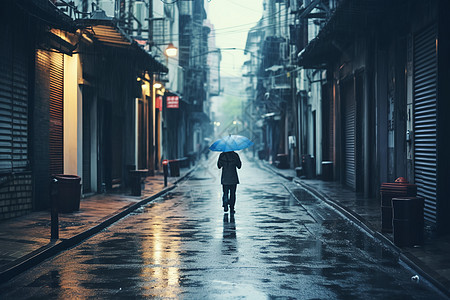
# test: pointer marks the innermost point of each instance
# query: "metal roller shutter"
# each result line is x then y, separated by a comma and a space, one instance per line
349, 136
86, 140
13, 106
56, 113
49, 77
425, 84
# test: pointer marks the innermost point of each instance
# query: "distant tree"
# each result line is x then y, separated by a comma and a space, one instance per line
231, 109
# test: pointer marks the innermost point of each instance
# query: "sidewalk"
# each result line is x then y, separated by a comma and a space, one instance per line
430, 260
25, 241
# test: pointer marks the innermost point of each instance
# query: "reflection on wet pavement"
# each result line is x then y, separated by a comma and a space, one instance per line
184, 246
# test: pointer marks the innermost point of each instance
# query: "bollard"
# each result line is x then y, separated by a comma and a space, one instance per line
165, 164
54, 223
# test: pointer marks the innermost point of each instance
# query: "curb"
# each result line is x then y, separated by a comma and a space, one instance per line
55, 247
409, 259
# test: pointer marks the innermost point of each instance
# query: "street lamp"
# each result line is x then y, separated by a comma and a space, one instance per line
171, 50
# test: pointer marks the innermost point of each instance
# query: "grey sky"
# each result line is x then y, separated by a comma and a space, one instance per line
232, 20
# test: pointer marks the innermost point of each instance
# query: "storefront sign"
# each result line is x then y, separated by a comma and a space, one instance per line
158, 103
172, 102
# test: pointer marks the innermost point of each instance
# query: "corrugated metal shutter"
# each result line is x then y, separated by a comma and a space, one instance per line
56, 113
13, 106
50, 76
425, 84
349, 138
331, 128
86, 141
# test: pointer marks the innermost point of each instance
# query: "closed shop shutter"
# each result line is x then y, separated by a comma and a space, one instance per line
87, 97
349, 136
49, 79
425, 84
56, 113
13, 106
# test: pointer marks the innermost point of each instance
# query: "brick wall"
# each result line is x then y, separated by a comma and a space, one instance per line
15, 196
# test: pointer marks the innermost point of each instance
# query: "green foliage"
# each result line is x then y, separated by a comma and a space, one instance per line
231, 110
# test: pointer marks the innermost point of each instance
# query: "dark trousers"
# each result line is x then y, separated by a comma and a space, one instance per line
229, 194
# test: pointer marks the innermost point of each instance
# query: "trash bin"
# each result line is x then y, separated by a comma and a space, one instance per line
68, 192
327, 170
174, 168
400, 188
408, 221
261, 154
136, 181
299, 171
282, 161
309, 166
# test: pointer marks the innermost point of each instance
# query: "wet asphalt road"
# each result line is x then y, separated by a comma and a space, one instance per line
183, 246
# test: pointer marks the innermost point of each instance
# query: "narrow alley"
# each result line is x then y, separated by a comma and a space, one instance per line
182, 245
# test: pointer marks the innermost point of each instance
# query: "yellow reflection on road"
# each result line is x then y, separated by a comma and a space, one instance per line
160, 255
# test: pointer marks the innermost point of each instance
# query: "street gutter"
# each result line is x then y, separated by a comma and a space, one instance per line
409, 259
55, 247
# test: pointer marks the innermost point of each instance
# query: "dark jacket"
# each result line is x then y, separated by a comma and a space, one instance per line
229, 161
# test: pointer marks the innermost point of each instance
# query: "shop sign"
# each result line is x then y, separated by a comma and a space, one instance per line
172, 102
158, 103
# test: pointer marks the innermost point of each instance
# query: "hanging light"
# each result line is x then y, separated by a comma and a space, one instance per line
171, 50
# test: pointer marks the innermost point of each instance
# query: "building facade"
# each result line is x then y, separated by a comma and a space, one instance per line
367, 95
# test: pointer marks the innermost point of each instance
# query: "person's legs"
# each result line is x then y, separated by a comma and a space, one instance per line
232, 200
225, 201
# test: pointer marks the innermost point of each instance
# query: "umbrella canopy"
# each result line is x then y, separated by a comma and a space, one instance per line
231, 143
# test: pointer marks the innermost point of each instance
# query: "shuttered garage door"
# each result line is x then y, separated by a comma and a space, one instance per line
13, 105
56, 113
425, 83
50, 75
349, 129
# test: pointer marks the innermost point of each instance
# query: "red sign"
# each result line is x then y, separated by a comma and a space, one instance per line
172, 102
158, 103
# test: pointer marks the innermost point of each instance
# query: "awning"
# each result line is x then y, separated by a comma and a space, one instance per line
46, 12
351, 18
199, 117
108, 33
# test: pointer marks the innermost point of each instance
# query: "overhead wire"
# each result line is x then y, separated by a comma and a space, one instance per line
236, 28
262, 19
169, 2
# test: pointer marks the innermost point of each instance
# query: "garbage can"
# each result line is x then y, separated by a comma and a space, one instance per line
309, 166
68, 192
174, 168
136, 181
408, 221
261, 154
299, 171
282, 161
400, 188
327, 170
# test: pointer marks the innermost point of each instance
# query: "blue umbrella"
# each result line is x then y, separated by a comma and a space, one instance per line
231, 143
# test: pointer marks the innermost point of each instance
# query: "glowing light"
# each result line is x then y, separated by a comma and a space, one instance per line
171, 50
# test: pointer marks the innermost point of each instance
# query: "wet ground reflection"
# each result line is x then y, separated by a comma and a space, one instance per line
184, 246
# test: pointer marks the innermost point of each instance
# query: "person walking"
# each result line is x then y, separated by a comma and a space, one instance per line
228, 162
